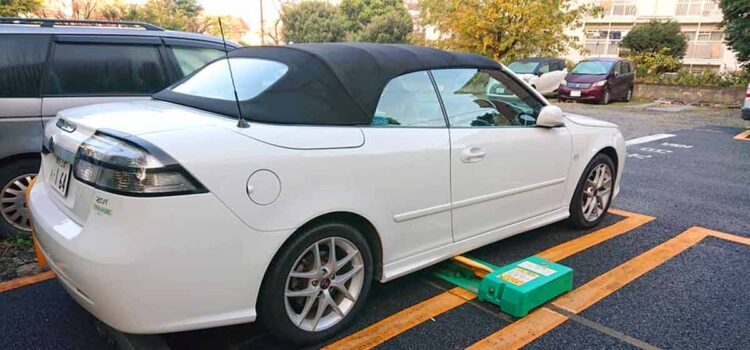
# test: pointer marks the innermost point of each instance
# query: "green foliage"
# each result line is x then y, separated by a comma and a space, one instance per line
655, 36
383, 21
15, 8
505, 30
391, 27
737, 78
22, 242
649, 63
312, 21
737, 27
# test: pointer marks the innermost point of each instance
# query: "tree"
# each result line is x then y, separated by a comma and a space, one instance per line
366, 17
312, 21
391, 27
737, 28
15, 8
504, 30
653, 36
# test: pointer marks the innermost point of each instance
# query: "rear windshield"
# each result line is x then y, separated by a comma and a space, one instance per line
593, 67
520, 67
252, 76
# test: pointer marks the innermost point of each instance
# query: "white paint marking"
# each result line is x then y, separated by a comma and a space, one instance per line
655, 150
639, 156
649, 138
676, 145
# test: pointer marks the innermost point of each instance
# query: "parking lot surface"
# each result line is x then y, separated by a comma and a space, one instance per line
666, 269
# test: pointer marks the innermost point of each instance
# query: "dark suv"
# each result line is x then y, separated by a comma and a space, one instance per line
49, 65
599, 80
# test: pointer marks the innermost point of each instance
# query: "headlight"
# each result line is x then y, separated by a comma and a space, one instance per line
123, 165
599, 83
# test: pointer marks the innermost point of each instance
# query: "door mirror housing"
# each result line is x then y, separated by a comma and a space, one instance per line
550, 117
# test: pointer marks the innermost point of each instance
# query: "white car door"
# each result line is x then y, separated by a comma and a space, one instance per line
504, 169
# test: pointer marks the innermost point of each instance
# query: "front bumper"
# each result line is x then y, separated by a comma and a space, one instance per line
589, 94
156, 265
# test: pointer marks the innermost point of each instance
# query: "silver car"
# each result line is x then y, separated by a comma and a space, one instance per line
50, 65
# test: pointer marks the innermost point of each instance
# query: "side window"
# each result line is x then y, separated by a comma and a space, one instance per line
545, 68
189, 59
618, 68
21, 61
625, 68
409, 100
94, 69
485, 98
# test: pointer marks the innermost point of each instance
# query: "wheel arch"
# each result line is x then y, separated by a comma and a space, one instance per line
20, 156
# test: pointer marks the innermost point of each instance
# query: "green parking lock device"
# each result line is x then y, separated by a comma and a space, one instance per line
516, 288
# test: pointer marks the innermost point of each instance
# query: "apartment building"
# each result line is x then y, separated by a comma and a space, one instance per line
698, 19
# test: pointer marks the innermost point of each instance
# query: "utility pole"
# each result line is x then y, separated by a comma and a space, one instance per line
262, 25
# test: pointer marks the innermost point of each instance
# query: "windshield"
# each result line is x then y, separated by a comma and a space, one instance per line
521, 67
593, 67
252, 76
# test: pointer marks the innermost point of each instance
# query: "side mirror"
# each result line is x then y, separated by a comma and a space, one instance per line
550, 116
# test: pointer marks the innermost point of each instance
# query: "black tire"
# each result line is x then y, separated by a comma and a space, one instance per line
629, 95
271, 305
9, 172
577, 218
606, 97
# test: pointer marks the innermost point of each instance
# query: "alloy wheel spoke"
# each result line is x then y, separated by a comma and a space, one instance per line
341, 279
302, 293
331, 263
345, 291
332, 303
341, 263
306, 309
322, 306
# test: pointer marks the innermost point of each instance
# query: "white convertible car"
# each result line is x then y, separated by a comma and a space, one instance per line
338, 165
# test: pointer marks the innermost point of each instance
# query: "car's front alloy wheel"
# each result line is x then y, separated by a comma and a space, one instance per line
594, 192
317, 283
15, 178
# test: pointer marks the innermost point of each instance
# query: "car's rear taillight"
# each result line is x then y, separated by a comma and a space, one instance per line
128, 165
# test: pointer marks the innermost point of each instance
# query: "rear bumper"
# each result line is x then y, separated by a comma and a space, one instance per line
158, 265
590, 94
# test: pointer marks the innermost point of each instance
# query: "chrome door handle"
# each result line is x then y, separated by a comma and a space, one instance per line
472, 155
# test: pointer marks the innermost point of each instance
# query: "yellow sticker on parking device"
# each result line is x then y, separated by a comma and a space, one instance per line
518, 276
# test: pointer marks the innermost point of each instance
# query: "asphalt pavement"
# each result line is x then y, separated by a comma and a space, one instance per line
642, 286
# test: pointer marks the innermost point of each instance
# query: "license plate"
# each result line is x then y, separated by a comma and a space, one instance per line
575, 93
59, 176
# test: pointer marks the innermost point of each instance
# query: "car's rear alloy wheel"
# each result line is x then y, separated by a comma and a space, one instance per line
629, 96
594, 193
316, 284
324, 284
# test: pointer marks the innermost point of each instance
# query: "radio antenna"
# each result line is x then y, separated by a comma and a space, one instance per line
241, 123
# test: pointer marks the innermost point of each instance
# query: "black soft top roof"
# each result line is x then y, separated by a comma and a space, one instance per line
332, 83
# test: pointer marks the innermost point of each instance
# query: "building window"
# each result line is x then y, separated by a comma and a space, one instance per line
704, 44
603, 42
616, 7
697, 8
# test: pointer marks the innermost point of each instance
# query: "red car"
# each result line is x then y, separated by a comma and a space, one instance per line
599, 80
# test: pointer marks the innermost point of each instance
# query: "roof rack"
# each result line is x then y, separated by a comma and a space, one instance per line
49, 23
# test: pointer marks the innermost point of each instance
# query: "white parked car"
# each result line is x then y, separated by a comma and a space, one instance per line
351, 163
543, 74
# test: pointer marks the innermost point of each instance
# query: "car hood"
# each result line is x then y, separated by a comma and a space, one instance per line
584, 78
588, 121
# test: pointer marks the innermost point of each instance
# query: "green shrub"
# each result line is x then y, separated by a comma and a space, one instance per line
737, 78
650, 63
654, 36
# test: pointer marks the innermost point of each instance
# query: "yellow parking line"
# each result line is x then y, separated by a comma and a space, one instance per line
582, 243
397, 323
522, 332
402, 321
743, 136
25, 281
599, 288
